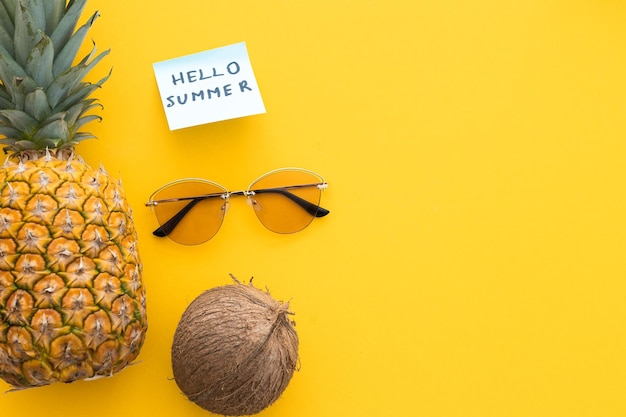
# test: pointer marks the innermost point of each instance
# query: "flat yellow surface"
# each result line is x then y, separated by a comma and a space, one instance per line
473, 261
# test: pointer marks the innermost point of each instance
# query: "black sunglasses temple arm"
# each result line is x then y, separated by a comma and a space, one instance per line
170, 225
312, 209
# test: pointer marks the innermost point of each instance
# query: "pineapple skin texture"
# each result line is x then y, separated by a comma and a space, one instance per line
72, 300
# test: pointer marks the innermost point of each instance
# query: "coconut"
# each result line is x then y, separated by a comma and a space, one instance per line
235, 350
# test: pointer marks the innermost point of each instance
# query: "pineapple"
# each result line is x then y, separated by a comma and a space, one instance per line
72, 301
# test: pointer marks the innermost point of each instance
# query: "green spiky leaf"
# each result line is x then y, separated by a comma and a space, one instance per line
24, 145
79, 109
63, 86
9, 5
63, 32
74, 97
10, 133
53, 117
37, 11
18, 97
21, 121
5, 98
5, 39
36, 104
87, 119
54, 10
39, 62
67, 55
57, 130
81, 136
5, 103
6, 28
28, 31
9, 69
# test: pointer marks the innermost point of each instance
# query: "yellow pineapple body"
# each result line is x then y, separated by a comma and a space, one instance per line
72, 301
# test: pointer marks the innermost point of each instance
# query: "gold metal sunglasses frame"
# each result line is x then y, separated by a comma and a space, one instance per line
167, 227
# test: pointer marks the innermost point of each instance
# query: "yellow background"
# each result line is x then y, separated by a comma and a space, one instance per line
473, 261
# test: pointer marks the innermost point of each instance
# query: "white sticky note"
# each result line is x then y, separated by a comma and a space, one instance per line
208, 86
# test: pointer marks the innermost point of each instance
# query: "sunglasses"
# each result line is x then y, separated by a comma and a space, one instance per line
190, 211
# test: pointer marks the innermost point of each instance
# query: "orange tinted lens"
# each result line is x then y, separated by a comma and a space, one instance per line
185, 216
286, 201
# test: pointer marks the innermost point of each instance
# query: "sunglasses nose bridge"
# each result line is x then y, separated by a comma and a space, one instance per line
225, 205
251, 201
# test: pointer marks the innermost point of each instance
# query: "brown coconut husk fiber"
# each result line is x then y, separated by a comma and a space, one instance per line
234, 350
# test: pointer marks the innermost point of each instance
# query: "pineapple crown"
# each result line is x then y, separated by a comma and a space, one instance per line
44, 101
